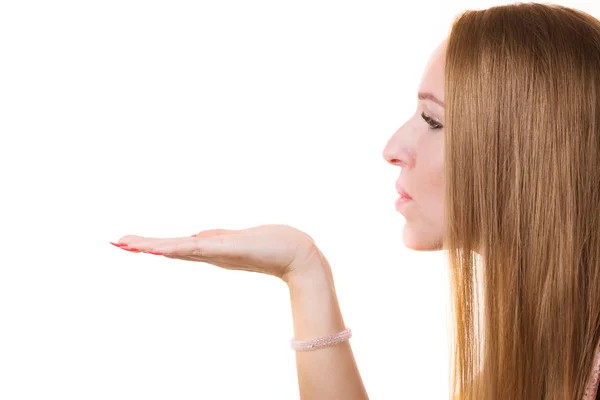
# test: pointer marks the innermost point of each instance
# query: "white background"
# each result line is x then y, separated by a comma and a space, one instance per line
168, 118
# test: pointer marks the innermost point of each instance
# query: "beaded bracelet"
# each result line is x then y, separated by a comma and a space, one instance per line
307, 345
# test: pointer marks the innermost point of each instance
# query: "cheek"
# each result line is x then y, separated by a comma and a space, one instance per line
430, 178
430, 194
430, 170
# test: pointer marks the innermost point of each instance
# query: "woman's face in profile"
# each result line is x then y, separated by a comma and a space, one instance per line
418, 147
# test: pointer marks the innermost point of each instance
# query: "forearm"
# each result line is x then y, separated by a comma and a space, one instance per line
331, 372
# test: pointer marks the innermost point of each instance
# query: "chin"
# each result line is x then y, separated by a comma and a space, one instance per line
418, 242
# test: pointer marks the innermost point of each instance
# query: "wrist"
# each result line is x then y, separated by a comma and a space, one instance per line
312, 272
315, 309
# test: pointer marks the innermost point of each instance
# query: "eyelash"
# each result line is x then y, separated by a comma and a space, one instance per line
433, 124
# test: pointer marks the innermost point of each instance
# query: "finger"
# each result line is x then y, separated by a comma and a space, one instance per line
225, 246
134, 240
221, 264
129, 238
188, 246
214, 232
208, 243
145, 243
183, 246
185, 258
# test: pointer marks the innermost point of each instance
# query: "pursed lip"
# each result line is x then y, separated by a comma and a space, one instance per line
401, 191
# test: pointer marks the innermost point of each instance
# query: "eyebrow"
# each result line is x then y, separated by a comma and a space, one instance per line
429, 96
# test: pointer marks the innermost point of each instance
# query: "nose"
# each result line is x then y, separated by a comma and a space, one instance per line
398, 155
395, 161
397, 151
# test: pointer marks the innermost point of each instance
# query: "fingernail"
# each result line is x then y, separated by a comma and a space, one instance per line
132, 250
118, 244
158, 253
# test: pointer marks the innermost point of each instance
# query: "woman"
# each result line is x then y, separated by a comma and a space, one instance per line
501, 163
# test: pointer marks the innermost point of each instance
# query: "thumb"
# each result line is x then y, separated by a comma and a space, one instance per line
214, 232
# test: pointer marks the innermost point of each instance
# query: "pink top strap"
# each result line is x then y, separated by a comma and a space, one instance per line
592, 386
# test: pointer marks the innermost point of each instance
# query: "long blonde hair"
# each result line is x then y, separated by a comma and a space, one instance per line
522, 217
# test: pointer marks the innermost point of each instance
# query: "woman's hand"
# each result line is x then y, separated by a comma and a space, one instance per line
279, 250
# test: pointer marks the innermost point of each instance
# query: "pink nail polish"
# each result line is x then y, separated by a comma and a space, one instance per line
158, 253
132, 250
118, 244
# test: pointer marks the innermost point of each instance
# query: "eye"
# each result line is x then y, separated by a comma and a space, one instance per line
433, 124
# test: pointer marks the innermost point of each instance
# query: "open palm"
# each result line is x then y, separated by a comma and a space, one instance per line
268, 249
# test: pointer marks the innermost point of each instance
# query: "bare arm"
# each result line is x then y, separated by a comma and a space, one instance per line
327, 373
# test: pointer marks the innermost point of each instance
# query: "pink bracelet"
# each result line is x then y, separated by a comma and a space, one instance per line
307, 345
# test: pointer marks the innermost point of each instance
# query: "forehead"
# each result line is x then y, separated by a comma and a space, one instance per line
433, 76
